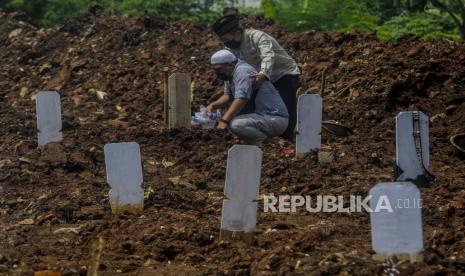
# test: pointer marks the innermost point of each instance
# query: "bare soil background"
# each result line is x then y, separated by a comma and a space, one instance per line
54, 203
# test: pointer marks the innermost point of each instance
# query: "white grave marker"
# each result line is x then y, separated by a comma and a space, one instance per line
241, 189
396, 224
412, 146
124, 174
309, 115
179, 100
48, 108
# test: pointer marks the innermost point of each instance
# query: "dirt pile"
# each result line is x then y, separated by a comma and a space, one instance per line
108, 70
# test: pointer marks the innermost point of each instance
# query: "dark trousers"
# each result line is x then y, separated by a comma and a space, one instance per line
287, 87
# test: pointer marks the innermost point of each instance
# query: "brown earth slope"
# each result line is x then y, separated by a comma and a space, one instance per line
54, 204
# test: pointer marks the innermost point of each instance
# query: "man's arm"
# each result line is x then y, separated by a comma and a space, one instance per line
221, 102
243, 83
267, 54
236, 106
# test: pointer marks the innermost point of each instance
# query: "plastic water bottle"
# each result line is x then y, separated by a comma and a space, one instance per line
205, 119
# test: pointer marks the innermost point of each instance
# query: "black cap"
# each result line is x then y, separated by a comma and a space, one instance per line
226, 24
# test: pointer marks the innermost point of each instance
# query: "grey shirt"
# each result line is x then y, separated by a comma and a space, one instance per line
267, 101
265, 54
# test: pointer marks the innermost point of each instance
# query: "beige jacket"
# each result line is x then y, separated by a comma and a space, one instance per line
265, 54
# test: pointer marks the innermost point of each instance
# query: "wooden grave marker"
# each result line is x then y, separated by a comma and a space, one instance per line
239, 215
412, 148
309, 116
179, 100
396, 226
124, 175
48, 108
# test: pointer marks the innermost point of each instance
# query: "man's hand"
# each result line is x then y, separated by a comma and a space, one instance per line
222, 125
259, 80
209, 108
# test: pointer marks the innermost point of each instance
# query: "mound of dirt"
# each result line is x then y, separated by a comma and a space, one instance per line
108, 70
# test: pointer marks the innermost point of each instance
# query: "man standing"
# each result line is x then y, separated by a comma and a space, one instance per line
265, 54
266, 115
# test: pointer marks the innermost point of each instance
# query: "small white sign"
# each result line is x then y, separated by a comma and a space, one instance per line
396, 224
48, 108
124, 175
309, 116
241, 188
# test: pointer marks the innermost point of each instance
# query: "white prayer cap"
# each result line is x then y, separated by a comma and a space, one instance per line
223, 56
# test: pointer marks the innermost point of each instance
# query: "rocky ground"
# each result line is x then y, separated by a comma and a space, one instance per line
108, 70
